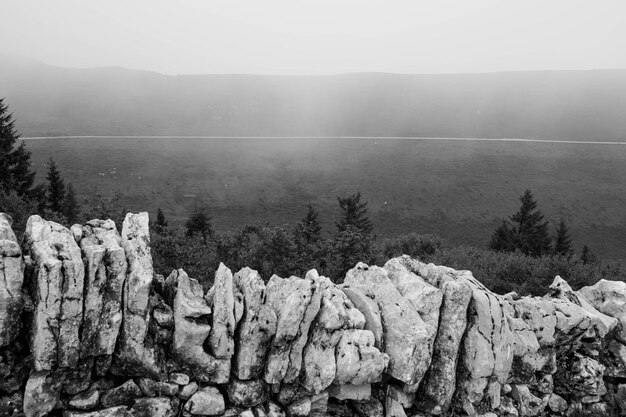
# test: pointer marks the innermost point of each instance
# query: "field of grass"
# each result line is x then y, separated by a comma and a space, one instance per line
458, 190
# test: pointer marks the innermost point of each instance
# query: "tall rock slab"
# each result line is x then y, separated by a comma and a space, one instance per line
11, 280
134, 356
336, 314
57, 284
488, 347
222, 301
105, 268
296, 302
437, 390
256, 327
191, 331
407, 339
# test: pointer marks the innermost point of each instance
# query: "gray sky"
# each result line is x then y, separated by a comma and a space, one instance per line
318, 36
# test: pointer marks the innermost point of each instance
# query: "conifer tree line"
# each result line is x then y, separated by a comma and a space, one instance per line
19, 194
527, 231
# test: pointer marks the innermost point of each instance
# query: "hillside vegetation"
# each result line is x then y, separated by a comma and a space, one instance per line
460, 191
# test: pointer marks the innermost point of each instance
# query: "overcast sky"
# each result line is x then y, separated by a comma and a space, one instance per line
318, 36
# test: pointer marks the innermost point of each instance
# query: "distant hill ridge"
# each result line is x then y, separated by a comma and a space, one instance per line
561, 105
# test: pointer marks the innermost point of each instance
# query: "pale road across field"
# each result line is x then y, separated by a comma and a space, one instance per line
578, 142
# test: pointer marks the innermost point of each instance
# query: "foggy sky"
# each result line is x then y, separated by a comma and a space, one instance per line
318, 36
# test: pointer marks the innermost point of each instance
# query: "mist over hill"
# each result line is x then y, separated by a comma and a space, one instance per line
563, 105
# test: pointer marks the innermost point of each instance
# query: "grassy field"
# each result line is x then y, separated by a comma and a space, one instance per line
458, 190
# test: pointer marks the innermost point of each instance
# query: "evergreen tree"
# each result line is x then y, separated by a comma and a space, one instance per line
71, 209
161, 224
354, 213
349, 247
527, 230
587, 257
503, 238
308, 231
15, 172
199, 222
563, 240
56, 188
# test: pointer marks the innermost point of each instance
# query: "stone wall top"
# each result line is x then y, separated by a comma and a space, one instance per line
87, 328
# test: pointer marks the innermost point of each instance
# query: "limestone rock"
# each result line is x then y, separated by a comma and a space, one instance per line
336, 314
300, 408
426, 299
188, 390
77, 231
11, 280
351, 392
256, 328
358, 361
540, 315
370, 408
206, 402
439, 384
319, 404
41, 393
179, 378
557, 403
393, 408
274, 410
489, 344
369, 308
152, 388
134, 355
126, 392
221, 341
406, 336
58, 278
529, 405
192, 328
120, 411
247, 393
580, 377
406, 400
614, 358
609, 297
86, 400
152, 407
295, 301
105, 263
76, 379
297, 347
603, 323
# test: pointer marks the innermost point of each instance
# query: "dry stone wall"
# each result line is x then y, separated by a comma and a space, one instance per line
88, 329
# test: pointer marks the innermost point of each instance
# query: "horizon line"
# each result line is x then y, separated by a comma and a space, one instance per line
302, 75
430, 138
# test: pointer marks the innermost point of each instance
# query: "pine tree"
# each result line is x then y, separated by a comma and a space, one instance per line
526, 231
503, 238
587, 257
15, 172
532, 230
354, 213
563, 240
199, 222
308, 231
71, 209
56, 188
161, 224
